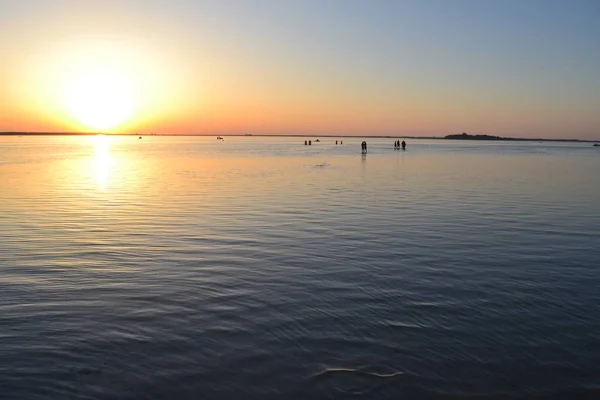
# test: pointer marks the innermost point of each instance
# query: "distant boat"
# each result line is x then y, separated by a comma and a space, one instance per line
317, 140
596, 144
219, 137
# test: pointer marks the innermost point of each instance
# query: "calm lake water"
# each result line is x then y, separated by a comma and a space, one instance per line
260, 268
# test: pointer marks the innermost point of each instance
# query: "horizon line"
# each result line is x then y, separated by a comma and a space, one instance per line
492, 138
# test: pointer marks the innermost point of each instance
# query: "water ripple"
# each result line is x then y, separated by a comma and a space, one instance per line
261, 269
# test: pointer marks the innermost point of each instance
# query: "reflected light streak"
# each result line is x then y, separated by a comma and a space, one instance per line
102, 160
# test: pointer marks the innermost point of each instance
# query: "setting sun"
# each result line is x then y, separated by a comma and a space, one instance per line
100, 99
94, 84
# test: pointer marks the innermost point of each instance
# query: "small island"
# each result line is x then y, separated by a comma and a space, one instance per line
466, 136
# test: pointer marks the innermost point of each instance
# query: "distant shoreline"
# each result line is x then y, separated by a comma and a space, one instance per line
447, 137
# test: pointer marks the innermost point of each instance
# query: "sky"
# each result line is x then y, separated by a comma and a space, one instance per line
526, 68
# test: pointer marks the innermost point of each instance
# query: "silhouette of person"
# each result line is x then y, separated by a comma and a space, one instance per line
305, 142
336, 142
309, 143
341, 142
403, 145
363, 145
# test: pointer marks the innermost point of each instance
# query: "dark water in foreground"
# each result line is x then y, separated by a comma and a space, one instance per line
256, 268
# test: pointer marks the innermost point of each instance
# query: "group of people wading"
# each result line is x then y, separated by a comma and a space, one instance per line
309, 143
398, 145
363, 146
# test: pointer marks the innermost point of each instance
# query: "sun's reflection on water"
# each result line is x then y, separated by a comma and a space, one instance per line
102, 160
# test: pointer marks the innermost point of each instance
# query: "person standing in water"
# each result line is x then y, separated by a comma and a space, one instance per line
403, 145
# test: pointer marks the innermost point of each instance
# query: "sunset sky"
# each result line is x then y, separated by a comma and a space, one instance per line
523, 68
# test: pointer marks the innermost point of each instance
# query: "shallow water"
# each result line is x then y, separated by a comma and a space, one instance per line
258, 268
